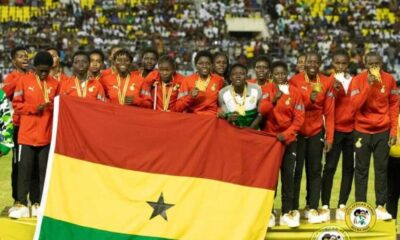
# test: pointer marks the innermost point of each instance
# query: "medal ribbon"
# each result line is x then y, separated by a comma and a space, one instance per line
43, 89
121, 95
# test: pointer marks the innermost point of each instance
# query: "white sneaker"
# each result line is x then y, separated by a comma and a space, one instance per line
306, 211
272, 220
382, 213
296, 214
341, 213
313, 216
13, 208
35, 209
325, 213
289, 220
21, 211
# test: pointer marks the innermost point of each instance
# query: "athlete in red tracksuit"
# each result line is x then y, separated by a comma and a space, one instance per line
343, 138
283, 108
374, 96
20, 62
33, 101
316, 132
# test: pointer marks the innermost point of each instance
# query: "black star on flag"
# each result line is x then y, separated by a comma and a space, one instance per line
160, 207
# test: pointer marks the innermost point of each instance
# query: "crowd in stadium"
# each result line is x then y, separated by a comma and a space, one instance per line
180, 28
351, 107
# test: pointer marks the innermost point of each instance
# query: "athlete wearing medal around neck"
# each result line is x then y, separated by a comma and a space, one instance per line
125, 87
33, 101
239, 101
283, 109
199, 91
80, 84
262, 67
165, 85
316, 134
374, 97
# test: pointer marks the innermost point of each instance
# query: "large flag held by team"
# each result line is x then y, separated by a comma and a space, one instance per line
127, 173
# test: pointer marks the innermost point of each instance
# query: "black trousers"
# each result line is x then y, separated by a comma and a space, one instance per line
309, 151
14, 164
33, 161
364, 146
393, 186
343, 142
287, 177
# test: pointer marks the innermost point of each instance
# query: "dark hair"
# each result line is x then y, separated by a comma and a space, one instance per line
17, 49
53, 49
315, 53
203, 53
123, 52
279, 64
372, 54
263, 58
237, 65
149, 50
43, 58
341, 52
222, 54
166, 59
98, 52
83, 53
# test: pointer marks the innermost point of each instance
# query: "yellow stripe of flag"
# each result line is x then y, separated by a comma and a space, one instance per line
119, 200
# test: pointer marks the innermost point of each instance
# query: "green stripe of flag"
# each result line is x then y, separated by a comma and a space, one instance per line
53, 229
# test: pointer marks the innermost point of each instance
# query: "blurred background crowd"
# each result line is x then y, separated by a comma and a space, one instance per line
180, 28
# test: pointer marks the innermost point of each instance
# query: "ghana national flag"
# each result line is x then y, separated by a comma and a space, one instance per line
124, 173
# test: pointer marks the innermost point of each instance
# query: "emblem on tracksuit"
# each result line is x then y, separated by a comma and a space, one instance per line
358, 143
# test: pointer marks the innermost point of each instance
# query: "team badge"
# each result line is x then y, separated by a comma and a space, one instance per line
360, 217
358, 143
91, 89
330, 232
213, 87
383, 89
252, 100
31, 89
49, 90
287, 102
132, 87
176, 87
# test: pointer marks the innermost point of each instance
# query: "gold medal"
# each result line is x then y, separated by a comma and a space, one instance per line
358, 143
240, 107
202, 85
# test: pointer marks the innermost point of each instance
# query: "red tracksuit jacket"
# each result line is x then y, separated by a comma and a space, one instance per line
375, 106
316, 112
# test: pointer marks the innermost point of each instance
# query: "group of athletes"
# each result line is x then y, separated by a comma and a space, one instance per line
317, 117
